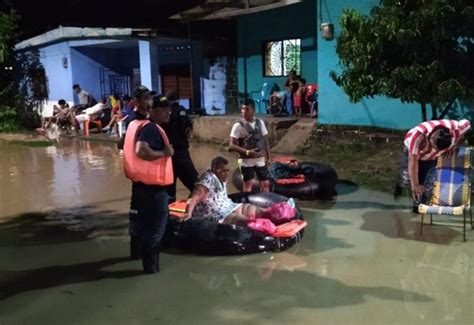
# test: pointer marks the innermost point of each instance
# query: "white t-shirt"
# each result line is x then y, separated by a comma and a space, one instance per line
86, 114
239, 132
97, 108
83, 97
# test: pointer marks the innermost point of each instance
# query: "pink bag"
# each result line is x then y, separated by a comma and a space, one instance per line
262, 225
280, 212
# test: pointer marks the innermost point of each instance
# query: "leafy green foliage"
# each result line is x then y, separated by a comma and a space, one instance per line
8, 119
16, 107
8, 27
416, 51
34, 143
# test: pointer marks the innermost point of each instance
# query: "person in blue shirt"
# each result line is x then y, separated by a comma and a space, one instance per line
141, 98
128, 105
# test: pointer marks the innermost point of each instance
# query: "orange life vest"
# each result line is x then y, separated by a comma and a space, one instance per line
156, 172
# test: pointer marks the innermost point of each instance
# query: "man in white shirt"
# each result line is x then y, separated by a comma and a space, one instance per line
85, 98
88, 114
249, 138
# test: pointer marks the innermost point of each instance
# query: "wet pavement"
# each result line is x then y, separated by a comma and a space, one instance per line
64, 253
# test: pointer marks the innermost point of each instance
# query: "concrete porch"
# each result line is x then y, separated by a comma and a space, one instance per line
286, 134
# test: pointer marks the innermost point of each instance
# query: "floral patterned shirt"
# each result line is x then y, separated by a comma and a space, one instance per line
217, 205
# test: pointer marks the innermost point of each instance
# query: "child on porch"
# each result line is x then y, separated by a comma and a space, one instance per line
299, 97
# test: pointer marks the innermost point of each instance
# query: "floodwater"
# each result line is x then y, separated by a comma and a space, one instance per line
64, 256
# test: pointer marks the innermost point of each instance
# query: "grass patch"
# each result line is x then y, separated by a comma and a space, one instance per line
33, 143
366, 163
102, 138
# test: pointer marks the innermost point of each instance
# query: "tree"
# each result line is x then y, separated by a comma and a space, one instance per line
8, 34
416, 51
8, 25
17, 106
8, 114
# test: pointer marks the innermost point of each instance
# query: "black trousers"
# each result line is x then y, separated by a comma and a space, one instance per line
148, 217
424, 166
184, 170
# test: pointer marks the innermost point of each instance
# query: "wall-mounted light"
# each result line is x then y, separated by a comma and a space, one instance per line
327, 31
64, 62
326, 28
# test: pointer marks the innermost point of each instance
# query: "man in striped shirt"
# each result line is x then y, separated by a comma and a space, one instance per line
424, 144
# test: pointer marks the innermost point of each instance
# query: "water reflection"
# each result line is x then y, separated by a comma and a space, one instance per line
75, 172
65, 208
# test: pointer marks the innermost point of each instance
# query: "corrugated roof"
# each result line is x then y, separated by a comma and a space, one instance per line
63, 33
224, 9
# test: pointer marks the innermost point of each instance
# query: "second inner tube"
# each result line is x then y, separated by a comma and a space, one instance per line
320, 183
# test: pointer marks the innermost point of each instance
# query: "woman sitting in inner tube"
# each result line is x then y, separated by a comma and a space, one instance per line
209, 199
242, 223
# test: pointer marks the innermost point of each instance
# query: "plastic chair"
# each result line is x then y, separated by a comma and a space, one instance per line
121, 126
449, 188
97, 123
262, 96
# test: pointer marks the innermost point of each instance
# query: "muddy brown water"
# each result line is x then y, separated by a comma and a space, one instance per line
64, 246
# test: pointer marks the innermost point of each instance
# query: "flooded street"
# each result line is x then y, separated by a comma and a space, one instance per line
64, 253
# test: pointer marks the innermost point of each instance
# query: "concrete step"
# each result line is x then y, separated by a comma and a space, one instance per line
216, 129
296, 137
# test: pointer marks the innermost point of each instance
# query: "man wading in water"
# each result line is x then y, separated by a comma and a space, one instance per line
147, 163
249, 138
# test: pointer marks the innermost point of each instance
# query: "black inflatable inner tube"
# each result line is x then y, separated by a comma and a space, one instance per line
320, 183
210, 238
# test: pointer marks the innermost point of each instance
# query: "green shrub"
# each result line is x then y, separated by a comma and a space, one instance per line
27, 116
35, 143
9, 119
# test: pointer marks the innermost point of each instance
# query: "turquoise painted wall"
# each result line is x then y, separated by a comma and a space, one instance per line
294, 21
334, 105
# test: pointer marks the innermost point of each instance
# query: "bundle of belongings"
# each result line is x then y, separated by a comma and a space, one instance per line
287, 170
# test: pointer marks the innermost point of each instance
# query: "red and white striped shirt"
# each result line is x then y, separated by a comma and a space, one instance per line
416, 140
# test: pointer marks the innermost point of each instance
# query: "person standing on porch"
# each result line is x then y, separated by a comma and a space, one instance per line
248, 137
291, 86
85, 99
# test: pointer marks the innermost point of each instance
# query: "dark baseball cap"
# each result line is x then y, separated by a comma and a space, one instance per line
172, 95
248, 102
138, 91
159, 101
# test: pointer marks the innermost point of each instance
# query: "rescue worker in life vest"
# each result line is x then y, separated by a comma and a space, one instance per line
249, 138
178, 130
147, 162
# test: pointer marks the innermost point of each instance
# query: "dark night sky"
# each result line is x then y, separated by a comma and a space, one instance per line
38, 16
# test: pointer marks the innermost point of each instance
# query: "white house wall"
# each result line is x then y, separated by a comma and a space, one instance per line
56, 60
86, 73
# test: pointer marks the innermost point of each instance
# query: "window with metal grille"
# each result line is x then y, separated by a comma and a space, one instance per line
281, 57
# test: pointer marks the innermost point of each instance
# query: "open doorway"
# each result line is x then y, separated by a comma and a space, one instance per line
177, 77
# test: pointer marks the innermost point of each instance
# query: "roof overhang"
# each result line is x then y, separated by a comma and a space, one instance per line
226, 9
70, 33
